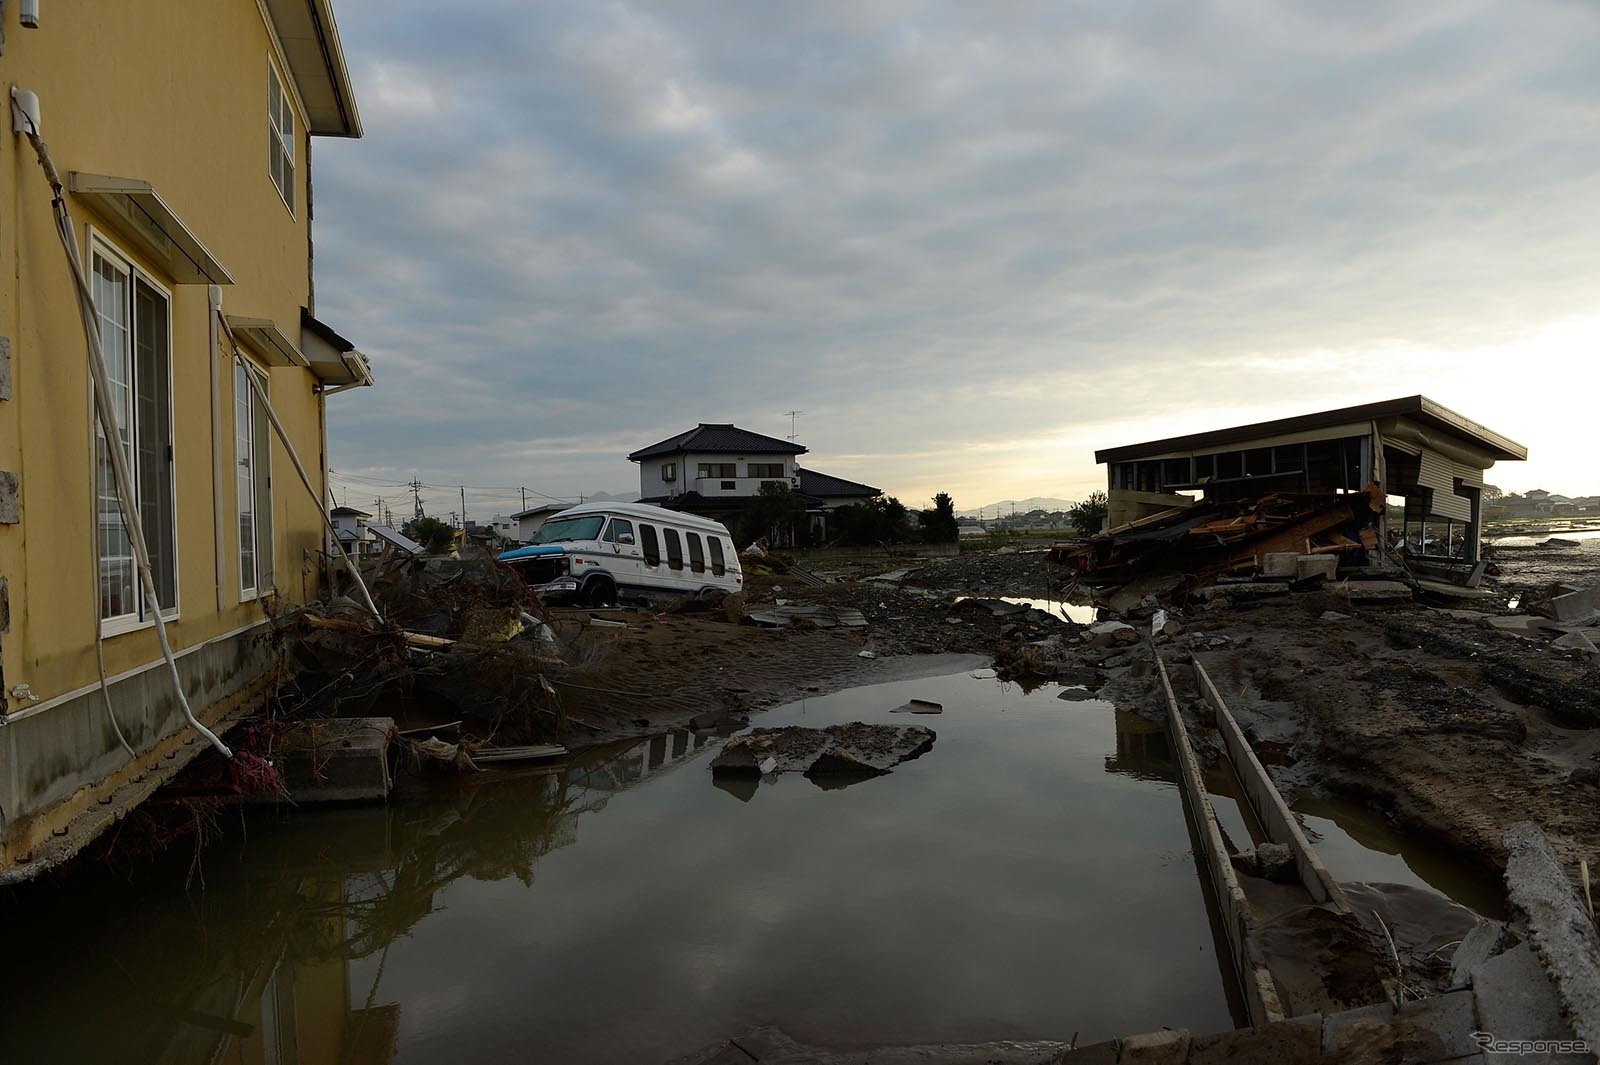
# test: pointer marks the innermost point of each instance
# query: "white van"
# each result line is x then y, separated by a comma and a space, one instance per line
599, 554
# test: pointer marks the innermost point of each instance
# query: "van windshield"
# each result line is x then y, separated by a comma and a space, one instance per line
557, 530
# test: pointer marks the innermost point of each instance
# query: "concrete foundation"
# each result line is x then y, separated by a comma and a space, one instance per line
64, 777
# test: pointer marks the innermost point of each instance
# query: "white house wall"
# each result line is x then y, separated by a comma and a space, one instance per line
651, 485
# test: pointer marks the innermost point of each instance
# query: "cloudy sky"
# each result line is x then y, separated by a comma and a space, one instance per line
972, 242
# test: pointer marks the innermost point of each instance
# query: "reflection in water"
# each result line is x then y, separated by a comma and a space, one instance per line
1142, 749
1028, 878
183, 979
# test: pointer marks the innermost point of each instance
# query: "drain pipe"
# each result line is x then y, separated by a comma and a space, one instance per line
107, 417
215, 296
294, 457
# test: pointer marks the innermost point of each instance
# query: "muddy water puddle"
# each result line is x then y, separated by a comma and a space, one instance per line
1030, 876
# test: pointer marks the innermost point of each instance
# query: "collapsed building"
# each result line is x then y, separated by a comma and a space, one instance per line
1402, 478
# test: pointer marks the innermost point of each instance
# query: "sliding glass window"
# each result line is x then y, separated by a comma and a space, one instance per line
134, 316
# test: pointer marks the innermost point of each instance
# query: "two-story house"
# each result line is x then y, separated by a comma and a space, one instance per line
715, 469
181, 134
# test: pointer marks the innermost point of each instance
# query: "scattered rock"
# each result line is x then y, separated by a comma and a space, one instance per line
1334, 615
919, 706
1112, 634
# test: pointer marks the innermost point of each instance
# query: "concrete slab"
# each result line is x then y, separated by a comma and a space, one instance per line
1576, 641
1289, 1042
1280, 564
337, 760
1476, 947
1375, 591
1516, 1001
1309, 566
1166, 1047
1558, 925
1574, 606
1448, 1020
1353, 1028
1095, 1054
1520, 623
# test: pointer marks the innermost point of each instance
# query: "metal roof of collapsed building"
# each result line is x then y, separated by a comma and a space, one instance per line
1418, 408
719, 436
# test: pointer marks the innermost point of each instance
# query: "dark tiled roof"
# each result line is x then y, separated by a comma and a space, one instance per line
720, 437
345, 512
813, 483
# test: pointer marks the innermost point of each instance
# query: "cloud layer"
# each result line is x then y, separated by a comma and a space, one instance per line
972, 241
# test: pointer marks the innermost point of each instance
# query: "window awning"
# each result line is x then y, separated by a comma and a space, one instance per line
263, 336
334, 360
310, 41
140, 215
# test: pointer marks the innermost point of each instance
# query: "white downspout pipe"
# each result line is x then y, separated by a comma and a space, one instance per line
217, 472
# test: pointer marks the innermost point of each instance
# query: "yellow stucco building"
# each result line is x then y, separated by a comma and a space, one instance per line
181, 134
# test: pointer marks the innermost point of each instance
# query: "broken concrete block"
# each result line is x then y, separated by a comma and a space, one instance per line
1112, 634
1275, 862
1574, 606
1476, 947
1577, 641
853, 749
1375, 591
1162, 1047
1516, 998
1333, 615
1308, 566
1282, 564
1523, 624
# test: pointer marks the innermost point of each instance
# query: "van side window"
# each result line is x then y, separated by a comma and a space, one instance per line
617, 529
697, 554
674, 549
719, 565
652, 547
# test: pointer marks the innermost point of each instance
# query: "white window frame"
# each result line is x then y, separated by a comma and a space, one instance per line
102, 246
260, 468
275, 134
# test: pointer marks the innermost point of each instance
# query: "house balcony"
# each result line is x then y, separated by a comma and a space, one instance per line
737, 486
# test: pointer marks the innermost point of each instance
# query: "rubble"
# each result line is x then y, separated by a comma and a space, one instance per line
854, 749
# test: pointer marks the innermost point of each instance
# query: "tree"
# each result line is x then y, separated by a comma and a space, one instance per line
1089, 517
434, 535
939, 524
1491, 492
879, 520
774, 512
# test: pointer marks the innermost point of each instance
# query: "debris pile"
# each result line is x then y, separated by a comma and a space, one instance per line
464, 637
1293, 537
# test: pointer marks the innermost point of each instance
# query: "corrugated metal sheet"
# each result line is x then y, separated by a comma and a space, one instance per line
1439, 474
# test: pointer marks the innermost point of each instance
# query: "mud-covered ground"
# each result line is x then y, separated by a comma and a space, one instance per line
666, 669
1453, 728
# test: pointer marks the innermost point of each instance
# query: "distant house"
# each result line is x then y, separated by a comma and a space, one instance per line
1425, 457
350, 526
528, 521
715, 469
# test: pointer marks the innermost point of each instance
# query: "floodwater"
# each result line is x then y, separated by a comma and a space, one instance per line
1030, 876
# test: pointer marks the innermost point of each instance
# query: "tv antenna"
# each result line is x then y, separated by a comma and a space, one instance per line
793, 414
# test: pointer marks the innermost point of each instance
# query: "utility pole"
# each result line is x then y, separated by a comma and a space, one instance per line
793, 414
453, 518
463, 505
524, 499
416, 496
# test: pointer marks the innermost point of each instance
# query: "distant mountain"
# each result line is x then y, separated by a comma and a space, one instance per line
1022, 506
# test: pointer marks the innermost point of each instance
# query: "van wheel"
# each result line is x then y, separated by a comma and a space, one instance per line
600, 593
